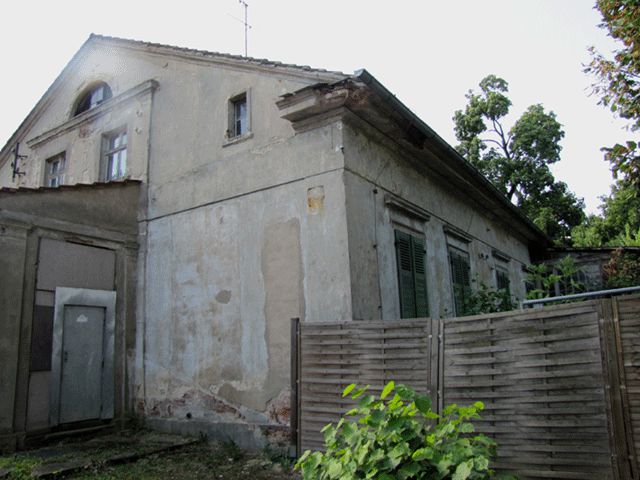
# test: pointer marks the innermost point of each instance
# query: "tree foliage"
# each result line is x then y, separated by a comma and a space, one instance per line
517, 160
618, 81
617, 225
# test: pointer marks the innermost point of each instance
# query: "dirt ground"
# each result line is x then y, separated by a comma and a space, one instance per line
146, 456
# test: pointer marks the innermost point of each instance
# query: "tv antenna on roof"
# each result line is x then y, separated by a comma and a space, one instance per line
246, 25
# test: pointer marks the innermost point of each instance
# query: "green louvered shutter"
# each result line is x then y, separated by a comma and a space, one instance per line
405, 275
420, 277
412, 275
460, 278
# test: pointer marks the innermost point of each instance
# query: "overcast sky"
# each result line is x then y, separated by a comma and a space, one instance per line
427, 52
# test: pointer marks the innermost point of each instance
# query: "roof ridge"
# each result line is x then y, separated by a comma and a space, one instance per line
208, 53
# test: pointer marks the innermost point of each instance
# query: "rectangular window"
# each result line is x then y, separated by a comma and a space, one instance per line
412, 275
115, 155
238, 116
502, 278
55, 169
460, 278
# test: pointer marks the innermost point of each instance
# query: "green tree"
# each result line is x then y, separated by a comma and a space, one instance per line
618, 81
517, 160
619, 221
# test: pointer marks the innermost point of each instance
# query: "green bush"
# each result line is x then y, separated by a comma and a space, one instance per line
545, 278
622, 270
487, 300
400, 437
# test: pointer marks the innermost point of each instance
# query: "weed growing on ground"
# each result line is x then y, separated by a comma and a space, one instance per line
20, 466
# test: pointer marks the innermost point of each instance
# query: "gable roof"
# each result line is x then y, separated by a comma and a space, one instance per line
223, 59
226, 58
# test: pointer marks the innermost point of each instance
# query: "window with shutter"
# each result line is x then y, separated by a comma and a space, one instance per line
460, 278
502, 279
412, 275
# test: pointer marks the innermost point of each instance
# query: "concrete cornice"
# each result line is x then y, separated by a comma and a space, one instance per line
93, 113
407, 208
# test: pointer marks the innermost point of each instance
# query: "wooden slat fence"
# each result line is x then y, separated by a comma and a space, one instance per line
334, 355
540, 375
561, 384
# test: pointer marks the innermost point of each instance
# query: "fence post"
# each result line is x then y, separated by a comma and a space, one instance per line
612, 368
437, 363
626, 412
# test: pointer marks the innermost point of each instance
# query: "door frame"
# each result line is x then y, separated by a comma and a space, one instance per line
83, 297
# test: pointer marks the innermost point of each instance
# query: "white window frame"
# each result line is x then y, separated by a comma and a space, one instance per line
92, 98
111, 152
55, 169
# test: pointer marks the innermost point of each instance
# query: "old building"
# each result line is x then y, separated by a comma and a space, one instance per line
218, 197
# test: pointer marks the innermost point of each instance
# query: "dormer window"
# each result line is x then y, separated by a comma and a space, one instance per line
92, 98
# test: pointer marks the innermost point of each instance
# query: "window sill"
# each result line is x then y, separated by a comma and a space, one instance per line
238, 139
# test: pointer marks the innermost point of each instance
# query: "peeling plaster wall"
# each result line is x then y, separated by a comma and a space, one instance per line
240, 238
223, 282
372, 164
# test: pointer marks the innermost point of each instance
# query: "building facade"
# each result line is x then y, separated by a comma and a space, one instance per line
264, 192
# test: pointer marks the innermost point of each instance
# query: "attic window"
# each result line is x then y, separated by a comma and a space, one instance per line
93, 97
239, 118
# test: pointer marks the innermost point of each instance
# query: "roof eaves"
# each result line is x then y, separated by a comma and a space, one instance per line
74, 187
368, 79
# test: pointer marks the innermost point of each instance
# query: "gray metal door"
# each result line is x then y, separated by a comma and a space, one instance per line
82, 355
82, 361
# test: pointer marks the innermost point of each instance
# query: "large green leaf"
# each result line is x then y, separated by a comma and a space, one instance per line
463, 470
423, 404
348, 389
387, 390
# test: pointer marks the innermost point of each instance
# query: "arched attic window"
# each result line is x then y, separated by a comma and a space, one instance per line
91, 98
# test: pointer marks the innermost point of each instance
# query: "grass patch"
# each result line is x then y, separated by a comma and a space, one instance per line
146, 456
20, 466
200, 461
